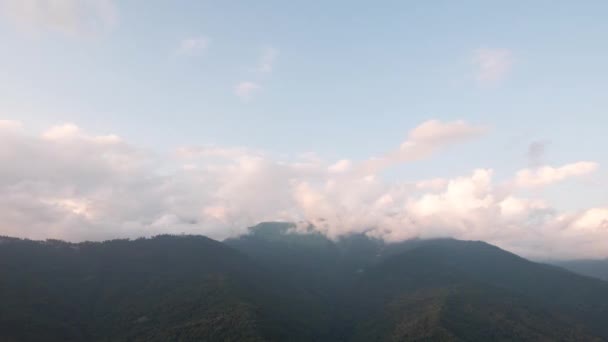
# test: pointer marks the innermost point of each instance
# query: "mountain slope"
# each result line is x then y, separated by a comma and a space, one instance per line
273, 285
372, 282
553, 287
166, 288
430, 293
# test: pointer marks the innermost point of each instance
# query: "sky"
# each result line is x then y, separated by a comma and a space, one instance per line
478, 120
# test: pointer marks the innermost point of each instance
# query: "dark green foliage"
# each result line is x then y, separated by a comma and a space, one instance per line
274, 285
166, 288
456, 290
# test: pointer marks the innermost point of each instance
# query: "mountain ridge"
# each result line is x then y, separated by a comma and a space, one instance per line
274, 285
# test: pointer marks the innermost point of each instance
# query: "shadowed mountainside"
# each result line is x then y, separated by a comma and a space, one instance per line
591, 268
274, 285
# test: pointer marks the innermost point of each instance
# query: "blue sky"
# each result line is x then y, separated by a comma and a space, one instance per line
342, 80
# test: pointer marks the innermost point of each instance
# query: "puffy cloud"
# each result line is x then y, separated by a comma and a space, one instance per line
468, 207
10, 125
492, 65
67, 16
193, 46
69, 184
436, 133
432, 184
245, 90
595, 219
58, 183
513, 208
546, 175
424, 140
211, 151
340, 166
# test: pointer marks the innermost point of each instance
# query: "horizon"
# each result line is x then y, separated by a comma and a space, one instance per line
295, 229
472, 121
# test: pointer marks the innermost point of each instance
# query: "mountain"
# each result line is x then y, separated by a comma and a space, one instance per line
462, 285
591, 268
168, 288
277, 285
463, 290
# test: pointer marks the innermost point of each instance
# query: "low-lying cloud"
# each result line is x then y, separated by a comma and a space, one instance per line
66, 183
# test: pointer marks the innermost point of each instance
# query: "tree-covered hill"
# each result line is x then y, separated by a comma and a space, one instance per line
169, 288
277, 285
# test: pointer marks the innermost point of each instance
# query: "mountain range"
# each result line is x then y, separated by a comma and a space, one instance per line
592, 268
277, 285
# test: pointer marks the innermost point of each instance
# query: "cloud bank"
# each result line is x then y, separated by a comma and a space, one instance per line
66, 16
66, 183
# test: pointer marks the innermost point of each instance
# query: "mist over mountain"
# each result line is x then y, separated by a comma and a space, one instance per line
69, 183
326, 171
592, 268
278, 284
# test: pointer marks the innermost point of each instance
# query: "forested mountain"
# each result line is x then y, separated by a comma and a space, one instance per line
275, 285
161, 289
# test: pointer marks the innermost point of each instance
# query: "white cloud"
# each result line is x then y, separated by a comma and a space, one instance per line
212, 151
193, 46
340, 166
424, 140
438, 133
547, 175
432, 184
67, 16
62, 131
69, 184
245, 90
513, 208
267, 60
595, 219
492, 65
10, 125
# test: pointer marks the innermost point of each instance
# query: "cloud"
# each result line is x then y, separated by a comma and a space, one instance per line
471, 207
66, 16
67, 183
536, 152
212, 151
437, 133
246, 89
492, 65
267, 60
547, 175
193, 46
432, 184
427, 138
340, 166
10, 125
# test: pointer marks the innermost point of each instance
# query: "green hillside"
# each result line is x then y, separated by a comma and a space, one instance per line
274, 285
